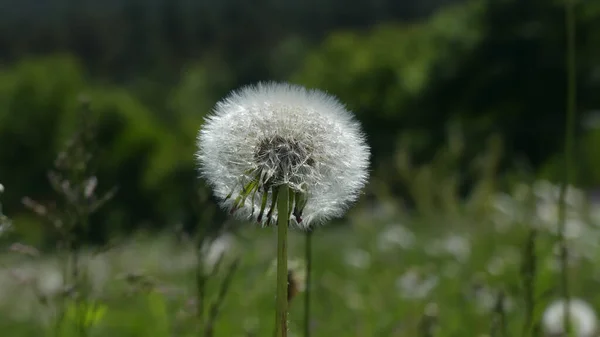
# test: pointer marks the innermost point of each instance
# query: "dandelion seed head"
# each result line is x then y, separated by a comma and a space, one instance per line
583, 318
264, 136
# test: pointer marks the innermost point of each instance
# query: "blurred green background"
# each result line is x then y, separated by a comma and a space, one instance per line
412, 71
464, 106
408, 69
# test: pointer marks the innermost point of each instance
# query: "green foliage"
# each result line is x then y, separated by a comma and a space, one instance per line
587, 153
135, 150
157, 309
382, 73
34, 103
80, 316
492, 67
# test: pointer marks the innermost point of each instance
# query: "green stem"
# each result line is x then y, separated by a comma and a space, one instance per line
569, 147
308, 288
282, 269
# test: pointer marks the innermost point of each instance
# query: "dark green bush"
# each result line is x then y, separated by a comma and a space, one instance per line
151, 165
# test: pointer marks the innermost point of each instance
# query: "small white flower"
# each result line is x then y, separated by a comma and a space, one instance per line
583, 318
268, 135
358, 258
396, 236
49, 281
99, 273
215, 249
546, 191
456, 246
414, 285
505, 204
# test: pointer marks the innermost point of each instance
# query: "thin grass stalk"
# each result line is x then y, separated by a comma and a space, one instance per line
282, 268
308, 285
568, 172
200, 278
529, 270
218, 303
499, 324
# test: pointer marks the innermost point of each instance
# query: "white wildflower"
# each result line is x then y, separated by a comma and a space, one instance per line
546, 191
396, 236
216, 248
414, 285
456, 246
268, 135
505, 204
583, 318
49, 281
358, 258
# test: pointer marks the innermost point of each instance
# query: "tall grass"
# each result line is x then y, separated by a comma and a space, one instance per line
569, 160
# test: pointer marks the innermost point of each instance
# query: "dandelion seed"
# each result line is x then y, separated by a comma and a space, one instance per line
583, 318
268, 135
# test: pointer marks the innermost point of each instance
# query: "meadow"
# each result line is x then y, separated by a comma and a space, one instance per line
489, 268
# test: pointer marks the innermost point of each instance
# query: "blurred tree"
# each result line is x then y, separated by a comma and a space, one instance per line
384, 74
127, 38
493, 67
136, 152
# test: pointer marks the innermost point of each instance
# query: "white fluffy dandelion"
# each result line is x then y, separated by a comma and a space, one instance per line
264, 136
583, 319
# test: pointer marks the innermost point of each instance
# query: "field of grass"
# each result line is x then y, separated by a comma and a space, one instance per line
484, 271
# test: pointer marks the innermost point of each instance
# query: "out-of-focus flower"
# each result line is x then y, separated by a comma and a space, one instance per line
214, 250
414, 285
583, 319
395, 236
268, 135
296, 278
49, 281
457, 246
358, 258
546, 191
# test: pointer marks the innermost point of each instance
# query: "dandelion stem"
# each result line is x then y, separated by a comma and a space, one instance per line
282, 269
308, 288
